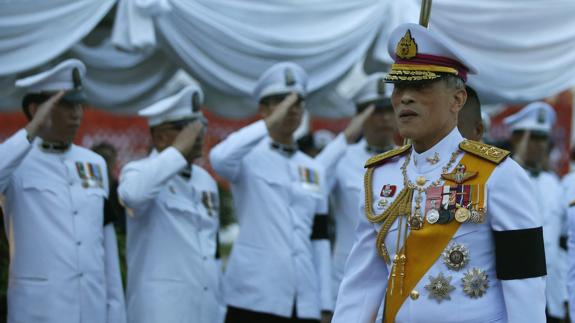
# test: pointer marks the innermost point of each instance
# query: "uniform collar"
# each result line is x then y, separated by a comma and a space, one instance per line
54, 147
438, 155
286, 150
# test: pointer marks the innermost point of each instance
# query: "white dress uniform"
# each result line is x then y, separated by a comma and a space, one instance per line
540, 117
54, 227
509, 193
463, 282
551, 205
114, 286
274, 263
172, 226
53, 209
280, 261
569, 186
344, 183
343, 165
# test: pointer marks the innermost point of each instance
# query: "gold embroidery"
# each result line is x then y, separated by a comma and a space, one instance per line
491, 153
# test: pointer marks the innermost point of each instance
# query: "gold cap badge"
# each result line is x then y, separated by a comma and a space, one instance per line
406, 48
289, 77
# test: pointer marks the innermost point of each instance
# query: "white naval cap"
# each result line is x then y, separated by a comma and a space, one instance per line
420, 54
184, 105
537, 116
67, 76
374, 89
281, 78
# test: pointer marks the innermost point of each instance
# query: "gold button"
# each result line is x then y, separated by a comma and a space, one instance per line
414, 295
420, 180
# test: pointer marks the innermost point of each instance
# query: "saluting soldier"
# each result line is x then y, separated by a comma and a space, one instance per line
344, 158
53, 208
457, 240
173, 220
530, 146
569, 189
279, 269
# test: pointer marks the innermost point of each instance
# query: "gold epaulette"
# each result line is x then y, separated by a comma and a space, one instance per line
378, 159
485, 151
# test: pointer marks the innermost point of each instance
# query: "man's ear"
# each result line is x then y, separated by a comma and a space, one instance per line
158, 139
479, 129
459, 99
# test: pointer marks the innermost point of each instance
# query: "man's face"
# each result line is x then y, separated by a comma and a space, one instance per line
66, 118
379, 128
536, 150
425, 109
165, 134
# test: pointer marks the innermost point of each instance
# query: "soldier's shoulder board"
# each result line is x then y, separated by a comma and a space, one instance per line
378, 159
485, 151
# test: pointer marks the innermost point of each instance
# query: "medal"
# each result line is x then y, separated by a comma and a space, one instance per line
388, 190
444, 216
455, 256
381, 204
415, 222
432, 216
439, 288
475, 283
462, 215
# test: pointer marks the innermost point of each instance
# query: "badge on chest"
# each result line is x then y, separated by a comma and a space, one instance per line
90, 174
462, 203
309, 178
210, 201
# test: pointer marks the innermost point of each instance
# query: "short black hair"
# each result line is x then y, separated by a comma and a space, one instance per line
33, 98
471, 110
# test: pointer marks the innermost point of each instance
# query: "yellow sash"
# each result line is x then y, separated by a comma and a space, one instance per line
424, 246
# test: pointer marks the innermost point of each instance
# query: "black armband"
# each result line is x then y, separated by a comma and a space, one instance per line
320, 227
109, 216
519, 254
563, 242
218, 245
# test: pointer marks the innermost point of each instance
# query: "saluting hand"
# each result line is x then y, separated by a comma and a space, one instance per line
41, 121
353, 130
280, 111
187, 137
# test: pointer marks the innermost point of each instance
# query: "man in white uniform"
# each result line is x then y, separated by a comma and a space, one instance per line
173, 220
279, 267
457, 239
343, 163
569, 189
531, 134
54, 193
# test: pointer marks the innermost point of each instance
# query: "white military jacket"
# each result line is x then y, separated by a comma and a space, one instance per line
172, 223
344, 172
53, 211
274, 262
550, 201
569, 187
510, 205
